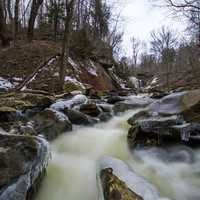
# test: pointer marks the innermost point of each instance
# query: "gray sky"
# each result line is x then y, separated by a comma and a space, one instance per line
141, 17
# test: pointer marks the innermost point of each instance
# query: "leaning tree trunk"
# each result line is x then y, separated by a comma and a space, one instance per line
3, 32
66, 41
34, 12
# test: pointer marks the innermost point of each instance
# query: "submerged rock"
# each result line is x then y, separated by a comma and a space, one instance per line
23, 161
118, 182
51, 123
105, 116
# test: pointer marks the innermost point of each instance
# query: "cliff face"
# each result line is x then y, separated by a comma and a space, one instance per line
36, 66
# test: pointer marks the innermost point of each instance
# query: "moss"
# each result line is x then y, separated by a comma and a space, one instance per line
116, 189
69, 87
7, 109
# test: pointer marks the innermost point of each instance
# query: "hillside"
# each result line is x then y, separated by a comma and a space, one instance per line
36, 66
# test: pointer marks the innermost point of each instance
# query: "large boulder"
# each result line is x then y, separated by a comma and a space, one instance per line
51, 123
90, 109
141, 114
117, 181
163, 131
77, 117
23, 162
184, 103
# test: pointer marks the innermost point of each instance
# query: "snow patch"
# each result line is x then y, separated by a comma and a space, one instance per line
74, 65
92, 69
62, 104
74, 81
6, 84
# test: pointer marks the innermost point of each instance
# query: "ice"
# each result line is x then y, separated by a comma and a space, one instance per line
62, 104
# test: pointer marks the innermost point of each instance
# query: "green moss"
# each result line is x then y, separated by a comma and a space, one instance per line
7, 109
114, 188
69, 87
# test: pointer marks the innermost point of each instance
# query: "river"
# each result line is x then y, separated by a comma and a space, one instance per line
71, 174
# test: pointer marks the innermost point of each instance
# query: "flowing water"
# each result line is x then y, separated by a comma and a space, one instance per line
71, 174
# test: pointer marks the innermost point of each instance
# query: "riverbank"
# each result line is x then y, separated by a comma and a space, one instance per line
83, 129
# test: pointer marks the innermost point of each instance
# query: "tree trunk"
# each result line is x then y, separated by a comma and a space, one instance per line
34, 12
66, 41
16, 19
3, 32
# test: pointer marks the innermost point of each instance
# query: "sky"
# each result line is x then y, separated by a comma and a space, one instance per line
141, 17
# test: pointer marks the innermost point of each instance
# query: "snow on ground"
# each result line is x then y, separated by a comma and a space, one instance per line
74, 81
74, 65
92, 69
6, 84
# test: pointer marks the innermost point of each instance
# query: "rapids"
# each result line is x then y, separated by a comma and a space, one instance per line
71, 174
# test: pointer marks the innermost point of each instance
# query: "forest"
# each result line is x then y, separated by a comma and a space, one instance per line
99, 99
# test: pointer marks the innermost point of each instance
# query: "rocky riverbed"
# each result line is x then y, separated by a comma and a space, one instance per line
28, 121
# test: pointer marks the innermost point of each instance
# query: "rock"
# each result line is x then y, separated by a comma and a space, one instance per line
23, 162
163, 131
157, 94
118, 182
61, 104
132, 102
21, 128
106, 107
37, 100
90, 109
114, 99
141, 114
24, 101
184, 103
104, 117
8, 114
51, 123
77, 117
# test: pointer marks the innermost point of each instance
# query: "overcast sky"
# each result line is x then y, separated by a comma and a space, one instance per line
141, 17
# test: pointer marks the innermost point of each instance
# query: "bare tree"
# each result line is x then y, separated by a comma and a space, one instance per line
16, 19
3, 31
66, 40
163, 39
162, 45
190, 9
135, 43
33, 14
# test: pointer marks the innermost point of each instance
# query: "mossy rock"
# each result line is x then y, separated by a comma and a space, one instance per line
70, 87
15, 104
7, 109
116, 189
